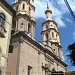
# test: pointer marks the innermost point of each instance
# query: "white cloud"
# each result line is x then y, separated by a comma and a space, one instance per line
68, 20
63, 57
56, 13
60, 22
72, 4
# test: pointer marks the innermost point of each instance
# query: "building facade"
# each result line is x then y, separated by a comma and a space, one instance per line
26, 56
6, 16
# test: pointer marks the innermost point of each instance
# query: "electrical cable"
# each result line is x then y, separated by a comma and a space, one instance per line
71, 12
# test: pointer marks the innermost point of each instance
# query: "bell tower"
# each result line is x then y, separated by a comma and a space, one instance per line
25, 20
50, 34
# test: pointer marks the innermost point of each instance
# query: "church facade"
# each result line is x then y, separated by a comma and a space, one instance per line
26, 56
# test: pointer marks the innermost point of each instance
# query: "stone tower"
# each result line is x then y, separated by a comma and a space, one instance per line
25, 16
50, 34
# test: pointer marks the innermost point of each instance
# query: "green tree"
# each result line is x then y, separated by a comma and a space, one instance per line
71, 55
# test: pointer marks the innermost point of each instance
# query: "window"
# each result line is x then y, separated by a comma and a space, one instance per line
52, 35
29, 28
54, 49
2, 19
10, 48
23, 6
56, 36
51, 25
29, 10
21, 25
29, 70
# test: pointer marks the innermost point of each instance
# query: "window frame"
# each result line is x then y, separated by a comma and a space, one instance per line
2, 19
2, 24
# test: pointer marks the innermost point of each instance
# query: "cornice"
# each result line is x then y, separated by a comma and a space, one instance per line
25, 15
22, 34
49, 21
49, 29
28, 2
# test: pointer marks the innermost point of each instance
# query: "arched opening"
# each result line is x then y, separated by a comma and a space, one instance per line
56, 36
47, 38
22, 25
29, 28
2, 19
23, 7
29, 10
52, 35
54, 50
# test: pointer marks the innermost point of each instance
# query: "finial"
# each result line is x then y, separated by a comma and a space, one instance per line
47, 6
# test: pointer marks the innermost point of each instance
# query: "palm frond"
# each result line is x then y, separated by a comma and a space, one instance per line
71, 55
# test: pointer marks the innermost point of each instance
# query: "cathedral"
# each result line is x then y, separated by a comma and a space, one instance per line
20, 54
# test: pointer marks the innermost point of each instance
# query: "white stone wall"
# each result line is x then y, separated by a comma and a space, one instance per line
29, 56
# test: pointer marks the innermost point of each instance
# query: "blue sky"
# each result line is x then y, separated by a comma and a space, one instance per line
61, 15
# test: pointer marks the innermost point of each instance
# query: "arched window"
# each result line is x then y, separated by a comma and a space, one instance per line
29, 10
52, 35
21, 25
23, 6
56, 36
2, 19
29, 27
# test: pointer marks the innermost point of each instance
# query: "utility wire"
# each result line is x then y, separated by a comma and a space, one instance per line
71, 12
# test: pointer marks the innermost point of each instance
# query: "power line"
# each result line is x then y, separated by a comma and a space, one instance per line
71, 12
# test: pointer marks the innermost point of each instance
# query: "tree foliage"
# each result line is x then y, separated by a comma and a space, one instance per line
71, 55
